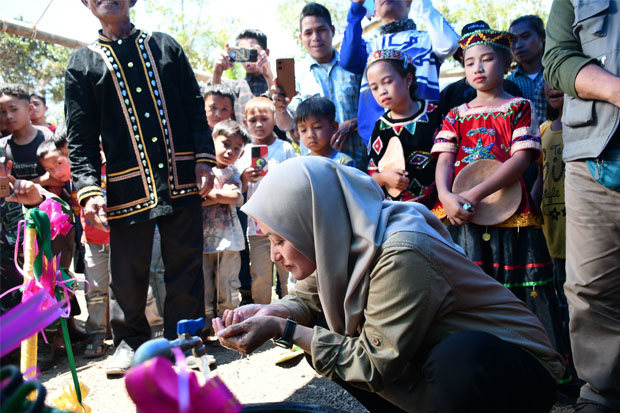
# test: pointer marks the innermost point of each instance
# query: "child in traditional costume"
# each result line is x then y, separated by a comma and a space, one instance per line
399, 149
494, 137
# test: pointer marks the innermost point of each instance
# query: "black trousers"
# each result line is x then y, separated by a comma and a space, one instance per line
477, 372
130, 259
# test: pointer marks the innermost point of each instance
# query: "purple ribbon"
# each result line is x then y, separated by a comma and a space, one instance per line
25, 319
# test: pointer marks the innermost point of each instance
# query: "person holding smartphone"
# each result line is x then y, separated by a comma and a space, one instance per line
258, 75
259, 158
322, 75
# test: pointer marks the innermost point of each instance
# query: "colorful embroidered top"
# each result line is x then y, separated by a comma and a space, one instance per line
416, 137
491, 132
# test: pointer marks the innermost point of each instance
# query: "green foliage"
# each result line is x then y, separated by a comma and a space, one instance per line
36, 64
201, 39
498, 13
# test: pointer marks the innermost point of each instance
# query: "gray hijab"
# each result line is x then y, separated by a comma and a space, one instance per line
336, 216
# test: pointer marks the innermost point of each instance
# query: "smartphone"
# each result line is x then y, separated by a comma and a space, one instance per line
259, 158
5, 188
240, 54
285, 72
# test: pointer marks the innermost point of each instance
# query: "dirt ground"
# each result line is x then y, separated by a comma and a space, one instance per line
253, 379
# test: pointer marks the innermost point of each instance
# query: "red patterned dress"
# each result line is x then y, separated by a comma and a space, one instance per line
515, 254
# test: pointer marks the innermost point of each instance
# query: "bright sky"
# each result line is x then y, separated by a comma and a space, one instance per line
71, 19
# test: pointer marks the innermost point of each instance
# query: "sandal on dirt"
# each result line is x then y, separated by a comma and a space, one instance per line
96, 348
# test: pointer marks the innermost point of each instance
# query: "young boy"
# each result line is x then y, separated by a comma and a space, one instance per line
53, 156
39, 110
260, 120
223, 236
316, 124
21, 146
219, 104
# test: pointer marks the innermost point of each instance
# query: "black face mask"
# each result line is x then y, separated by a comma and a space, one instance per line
398, 26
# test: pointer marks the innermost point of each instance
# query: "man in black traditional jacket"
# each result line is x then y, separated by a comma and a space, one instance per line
136, 92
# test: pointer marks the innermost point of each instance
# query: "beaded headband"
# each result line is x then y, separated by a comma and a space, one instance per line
389, 54
488, 37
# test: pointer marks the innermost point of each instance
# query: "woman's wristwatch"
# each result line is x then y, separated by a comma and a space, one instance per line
286, 340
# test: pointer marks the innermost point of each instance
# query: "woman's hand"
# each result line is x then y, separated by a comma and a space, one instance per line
242, 313
247, 336
453, 204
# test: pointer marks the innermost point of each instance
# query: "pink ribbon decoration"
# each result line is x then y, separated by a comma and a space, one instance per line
154, 387
46, 282
25, 319
59, 221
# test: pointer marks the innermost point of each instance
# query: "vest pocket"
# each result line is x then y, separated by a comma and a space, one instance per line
184, 165
126, 186
577, 112
590, 19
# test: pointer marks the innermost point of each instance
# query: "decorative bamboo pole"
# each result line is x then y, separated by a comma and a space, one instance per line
28, 357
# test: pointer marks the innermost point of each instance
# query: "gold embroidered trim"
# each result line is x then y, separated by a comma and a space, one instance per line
521, 220
88, 191
146, 199
123, 177
517, 220
439, 212
126, 171
153, 67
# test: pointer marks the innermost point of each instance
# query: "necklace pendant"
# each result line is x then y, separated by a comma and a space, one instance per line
486, 236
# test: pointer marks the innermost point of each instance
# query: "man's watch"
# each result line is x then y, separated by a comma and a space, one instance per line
286, 340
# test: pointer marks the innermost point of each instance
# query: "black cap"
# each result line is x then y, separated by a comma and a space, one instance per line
472, 27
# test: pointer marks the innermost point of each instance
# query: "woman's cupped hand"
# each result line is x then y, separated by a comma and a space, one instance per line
247, 335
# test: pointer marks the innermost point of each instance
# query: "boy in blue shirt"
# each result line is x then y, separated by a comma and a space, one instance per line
316, 124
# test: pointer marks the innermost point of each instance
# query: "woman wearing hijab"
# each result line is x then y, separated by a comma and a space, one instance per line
409, 317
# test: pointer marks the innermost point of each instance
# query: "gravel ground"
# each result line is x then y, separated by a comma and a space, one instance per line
253, 379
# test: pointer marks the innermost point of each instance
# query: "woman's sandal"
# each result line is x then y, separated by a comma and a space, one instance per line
96, 348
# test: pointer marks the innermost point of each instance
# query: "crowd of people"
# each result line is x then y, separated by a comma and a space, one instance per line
448, 249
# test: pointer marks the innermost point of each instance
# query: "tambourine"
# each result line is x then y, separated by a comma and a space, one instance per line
393, 158
496, 207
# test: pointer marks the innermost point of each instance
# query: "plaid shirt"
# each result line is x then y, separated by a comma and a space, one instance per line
533, 90
258, 84
331, 81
